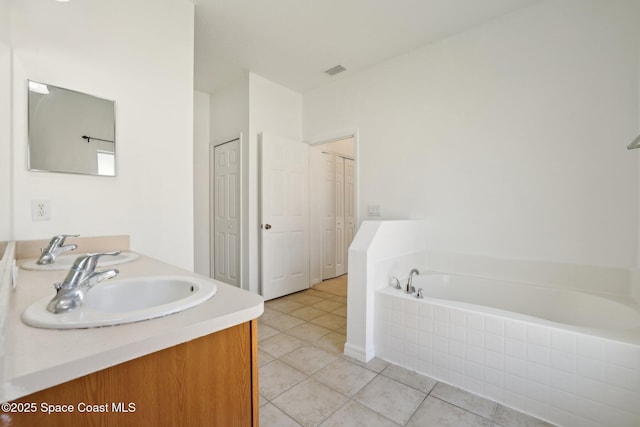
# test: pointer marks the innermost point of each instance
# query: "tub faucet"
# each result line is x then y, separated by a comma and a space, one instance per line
410, 288
80, 279
55, 248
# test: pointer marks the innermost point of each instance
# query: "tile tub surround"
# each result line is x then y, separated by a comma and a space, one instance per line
566, 377
305, 379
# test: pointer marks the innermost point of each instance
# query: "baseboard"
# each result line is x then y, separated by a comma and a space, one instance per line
356, 352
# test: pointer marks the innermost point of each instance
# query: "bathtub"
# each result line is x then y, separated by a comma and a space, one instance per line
569, 357
562, 306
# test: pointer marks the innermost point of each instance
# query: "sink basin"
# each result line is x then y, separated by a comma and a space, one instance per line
64, 262
121, 301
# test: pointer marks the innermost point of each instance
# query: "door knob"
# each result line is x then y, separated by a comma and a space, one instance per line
266, 226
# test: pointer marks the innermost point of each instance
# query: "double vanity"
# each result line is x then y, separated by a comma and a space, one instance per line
156, 345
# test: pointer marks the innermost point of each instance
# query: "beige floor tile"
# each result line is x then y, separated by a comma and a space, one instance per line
342, 311
270, 416
345, 377
317, 293
375, 364
309, 359
465, 400
305, 299
266, 331
330, 321
283, 305
329, 306
331, 342
307, 313
391, 398
279, 320
436, 413
263, 400
279, 345
276, 378
353, 414
308, 332
310, 402
336, 298
342, 330
264, 358
507, 417
410, 378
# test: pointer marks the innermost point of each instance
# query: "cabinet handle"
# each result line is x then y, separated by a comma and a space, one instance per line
266, 226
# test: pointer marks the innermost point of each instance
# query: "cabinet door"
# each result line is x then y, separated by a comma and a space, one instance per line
209, 381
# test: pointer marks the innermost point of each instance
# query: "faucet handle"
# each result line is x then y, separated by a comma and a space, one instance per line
395, 283
88, 262
419, 294
60, 238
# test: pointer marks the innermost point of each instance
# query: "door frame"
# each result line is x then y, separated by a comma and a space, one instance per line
240, 187
325, 138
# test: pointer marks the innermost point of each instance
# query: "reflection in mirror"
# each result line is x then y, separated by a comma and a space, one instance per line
70, 131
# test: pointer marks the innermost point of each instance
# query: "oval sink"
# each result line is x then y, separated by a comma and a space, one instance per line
64, 262
125, 301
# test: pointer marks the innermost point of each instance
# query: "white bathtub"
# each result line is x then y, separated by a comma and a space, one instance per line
585, 310
568, 357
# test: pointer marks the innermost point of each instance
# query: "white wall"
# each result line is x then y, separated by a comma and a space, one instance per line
510, 138
229, 118
201, 140
273, 109
5, 123
144, 61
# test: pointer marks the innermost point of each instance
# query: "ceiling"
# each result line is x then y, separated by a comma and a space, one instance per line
292, 42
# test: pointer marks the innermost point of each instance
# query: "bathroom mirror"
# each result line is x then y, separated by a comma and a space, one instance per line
70, 131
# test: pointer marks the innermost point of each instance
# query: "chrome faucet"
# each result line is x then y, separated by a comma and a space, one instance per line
80, 279
410, 289
55, 248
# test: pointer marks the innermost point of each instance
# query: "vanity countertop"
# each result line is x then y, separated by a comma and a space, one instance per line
35, 359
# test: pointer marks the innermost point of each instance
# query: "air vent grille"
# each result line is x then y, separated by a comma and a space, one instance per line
335, 70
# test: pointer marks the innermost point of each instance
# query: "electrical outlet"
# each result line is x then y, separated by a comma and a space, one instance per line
40, 210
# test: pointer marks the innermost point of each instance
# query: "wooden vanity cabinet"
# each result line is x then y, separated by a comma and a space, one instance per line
210, 381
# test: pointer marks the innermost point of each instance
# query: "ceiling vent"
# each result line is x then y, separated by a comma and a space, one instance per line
335, 70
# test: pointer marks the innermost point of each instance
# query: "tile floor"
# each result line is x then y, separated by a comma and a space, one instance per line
305, 380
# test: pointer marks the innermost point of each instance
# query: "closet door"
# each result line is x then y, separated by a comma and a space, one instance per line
328, 217
339, 196
349, 206
226, 226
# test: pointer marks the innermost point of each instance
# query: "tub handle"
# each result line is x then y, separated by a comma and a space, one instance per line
395, 283
419, 294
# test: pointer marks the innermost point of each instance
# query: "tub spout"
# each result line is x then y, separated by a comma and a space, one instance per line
410, 288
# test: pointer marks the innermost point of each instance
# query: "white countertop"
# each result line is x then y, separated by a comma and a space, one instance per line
35, 359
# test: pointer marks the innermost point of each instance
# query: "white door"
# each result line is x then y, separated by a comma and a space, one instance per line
349, 205
329, 216
284, 216
226, 207
339, 195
